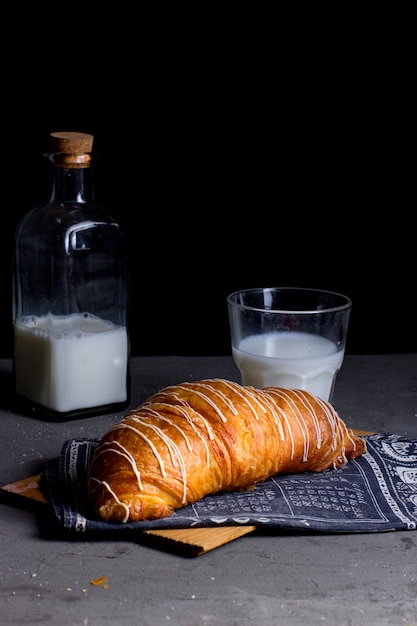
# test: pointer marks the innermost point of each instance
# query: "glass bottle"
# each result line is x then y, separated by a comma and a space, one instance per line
70, 278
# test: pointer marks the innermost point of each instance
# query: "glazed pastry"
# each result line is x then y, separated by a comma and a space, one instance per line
198, 438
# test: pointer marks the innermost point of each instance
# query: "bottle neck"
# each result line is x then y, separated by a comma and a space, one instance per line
71, 182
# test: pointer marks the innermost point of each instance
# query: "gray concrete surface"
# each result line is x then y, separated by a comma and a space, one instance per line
262, 579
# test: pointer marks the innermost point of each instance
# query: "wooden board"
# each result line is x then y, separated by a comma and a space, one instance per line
187, 541
27, 488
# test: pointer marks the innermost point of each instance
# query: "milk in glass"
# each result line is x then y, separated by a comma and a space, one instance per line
294, 360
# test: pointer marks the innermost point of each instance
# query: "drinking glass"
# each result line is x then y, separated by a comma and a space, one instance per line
289, 337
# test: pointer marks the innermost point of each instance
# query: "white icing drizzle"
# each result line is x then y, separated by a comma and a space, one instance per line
174, 451
111, 492
282, 393
304, 428
157, 415
172, 447
181, 407
148, 441
333, 419
268, 405
107, 447
330, 413
307, 404
218, 393
182, 410
340, 428
208, 400
350, 435
281, 415
243, 392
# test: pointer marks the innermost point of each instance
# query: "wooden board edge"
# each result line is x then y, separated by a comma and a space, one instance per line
27, 488
196, 541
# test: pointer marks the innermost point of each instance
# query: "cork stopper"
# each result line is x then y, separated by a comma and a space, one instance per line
70, 149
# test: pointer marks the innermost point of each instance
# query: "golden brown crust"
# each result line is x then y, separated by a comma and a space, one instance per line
198, 438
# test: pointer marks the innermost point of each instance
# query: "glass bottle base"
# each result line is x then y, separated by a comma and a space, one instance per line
29, 408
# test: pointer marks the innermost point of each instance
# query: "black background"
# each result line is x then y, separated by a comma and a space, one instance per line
235, 150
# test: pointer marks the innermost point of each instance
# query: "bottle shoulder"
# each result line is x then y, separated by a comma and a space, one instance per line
68, 211
59, 217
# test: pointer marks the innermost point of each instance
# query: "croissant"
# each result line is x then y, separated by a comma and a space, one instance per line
198, 438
